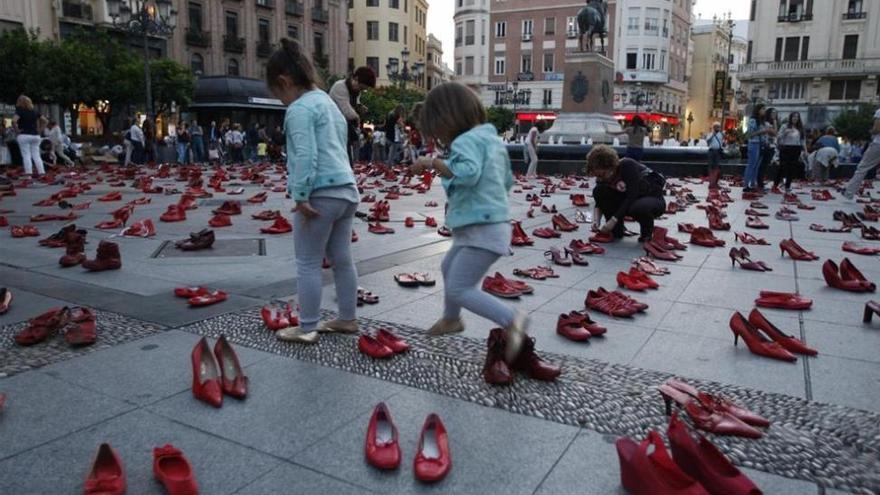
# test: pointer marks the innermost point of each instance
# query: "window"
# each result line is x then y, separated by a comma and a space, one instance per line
394, 4
501, 29
293, 31
548, 97
805, 48
526, 65
665, 24
662, 59
846, 89
232, 26
789, 90
197, 64
469, 32
458, 67
571, 27
752, 10
632, 26
393, 31
850, 46
195, 17
632, 60
263, 31
652, 22
459, 34
373, 63
549, 58
469, 66
527, 26
749, 53
777, 55
318, 41
372, 3
500, 68
649, 58
372, 30
232, 68
792, 45
550, 26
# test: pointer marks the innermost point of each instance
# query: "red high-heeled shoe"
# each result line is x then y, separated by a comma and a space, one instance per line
706, 417
755, 341
789, 342
848, 271
705, 463
107, 475
562, 223
558, 257
737, 256
652, 249
719, 403
381, 448
626, 281
173, 470
795, 251
206, 378
433, 459
642, 473
834, 277
232, 378
576, 258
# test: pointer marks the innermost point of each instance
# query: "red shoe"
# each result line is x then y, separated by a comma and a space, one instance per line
782, 300
220, 220
579, 200
835, 277
571, 327
848, 271
755, 341
561, 223
378, 228
232, 379
529, 363
546, 233
652, 249
558, 257
500, 288
80, 330
720, 403
444, 231
705, 416
433, 459
602, 237
702, 236
655, 473
516, 284
756, 223
280, 226
687, 228
5, 299
187, 202
113, 196
41, 327
788, 342
278, 316
208, 299
640, 276
391, 341
110, 225
851, 247
430, 222
107, 475
705, 463
267, 215
627, 282
175, 213
747, 238
519, 237
373, 348
576, 258
609, 305
591, 326
661, 237
206, 377
174, 471
409, 222
795, 251
496, 371
381, 447
581, 247
258, 198
229, 208
141, 228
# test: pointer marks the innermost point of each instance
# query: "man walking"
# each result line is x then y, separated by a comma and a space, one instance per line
870, 160
346, 93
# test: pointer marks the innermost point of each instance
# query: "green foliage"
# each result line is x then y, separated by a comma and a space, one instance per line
18, 51
172, 82
855, 124
381, 101
502, 118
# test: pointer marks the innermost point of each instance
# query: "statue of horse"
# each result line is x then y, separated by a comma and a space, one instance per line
592, 22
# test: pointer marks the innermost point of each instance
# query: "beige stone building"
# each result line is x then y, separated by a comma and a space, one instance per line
434, 74
379, 31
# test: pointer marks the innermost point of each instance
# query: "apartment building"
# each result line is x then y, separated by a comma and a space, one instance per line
813, 57
472, 39
434, 74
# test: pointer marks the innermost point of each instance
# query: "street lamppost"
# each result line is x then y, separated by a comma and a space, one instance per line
690, 121
144, 18
727, 81
515, 96
404, 75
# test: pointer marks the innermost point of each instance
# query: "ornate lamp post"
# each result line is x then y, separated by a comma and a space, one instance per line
724, 108
405, 74
515, 96
144, 18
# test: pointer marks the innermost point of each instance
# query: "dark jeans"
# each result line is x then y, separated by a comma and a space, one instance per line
766, 157
643, 210
789, 165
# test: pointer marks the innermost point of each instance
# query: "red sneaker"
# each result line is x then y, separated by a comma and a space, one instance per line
378, 228
175, 213
500, 288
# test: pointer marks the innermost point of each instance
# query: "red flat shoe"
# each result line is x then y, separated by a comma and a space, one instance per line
720, 403
267, 215
113, 196
581, 247
220, 220
433, 459
409, 222
381, 448
788, 342
705, 417
610, 306
378, 228
640, 276
174, 471
280, 226
43, 326
533, 366
500, 288
5, 299
516, 284
206, 377
571, 327
546, 233
655, 251
81, 328
208, 299
782, 300
109, 225
755, 341
371, 347
190, 292
620, 296
642, 473
107, 475
278, 315
141, 228
233, 381
228, 208
852, 247
391, 341
705, 463
258, 198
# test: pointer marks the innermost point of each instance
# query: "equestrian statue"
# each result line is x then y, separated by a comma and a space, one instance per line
592, 21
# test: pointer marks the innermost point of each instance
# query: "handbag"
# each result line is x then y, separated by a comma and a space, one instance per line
213, 154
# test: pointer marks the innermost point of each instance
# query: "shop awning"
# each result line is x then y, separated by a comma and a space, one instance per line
234, 92
660, 118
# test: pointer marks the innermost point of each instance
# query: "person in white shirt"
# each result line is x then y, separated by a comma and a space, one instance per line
56, 137
870, 160
532, 150
715, 142
346, 93
821, 163
235, 141
791, 141
133, 143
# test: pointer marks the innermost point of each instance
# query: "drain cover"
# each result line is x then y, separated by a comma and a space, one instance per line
222, 247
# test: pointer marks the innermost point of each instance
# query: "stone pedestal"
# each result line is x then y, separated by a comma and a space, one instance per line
587, 101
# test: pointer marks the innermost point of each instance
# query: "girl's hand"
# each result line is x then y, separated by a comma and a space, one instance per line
609, 226
422, 164
306, 210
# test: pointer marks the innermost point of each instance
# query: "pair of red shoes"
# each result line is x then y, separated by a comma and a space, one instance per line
383, 345
500, 286
702, 236
847, 277
518, 236
578, 326
580, 247
699, 468
498, 371
648, 266
546, 233
174, 213
141, 228
201, 296
747, 238
170, 467
782, 300
713, 413
267, 215
563, 224
432, 461
579, 200
658, 251
743, 257
716, 219
755, 332
24, 231
277, 315
636, 280
280, 226
378, 228
536, 273
795, 251
217, 374
229, 208
77, 324
380, 212
662, 239
613, 303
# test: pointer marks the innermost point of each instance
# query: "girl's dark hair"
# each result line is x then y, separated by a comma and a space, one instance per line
756, 112
450, 110
289, 60
800, 122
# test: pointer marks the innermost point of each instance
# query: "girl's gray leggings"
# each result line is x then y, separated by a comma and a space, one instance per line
463, 269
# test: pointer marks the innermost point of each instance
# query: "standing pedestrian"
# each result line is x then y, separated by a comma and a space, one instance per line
27, 122
346, 93
252, 137
768, 150
149, 129
183, 140
136, 136
870, 160
792, 146
532, 150
394, 134
715, 142
198, 142
757, 134
321, 181
235, 140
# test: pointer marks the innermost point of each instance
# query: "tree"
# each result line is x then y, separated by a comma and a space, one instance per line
855, 124
172, 82
18, 51
381, 101
502, 118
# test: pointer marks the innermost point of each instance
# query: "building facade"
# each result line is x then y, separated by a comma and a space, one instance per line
434, 66
472, 39
817, 58
527, 46
652, 59
380, 31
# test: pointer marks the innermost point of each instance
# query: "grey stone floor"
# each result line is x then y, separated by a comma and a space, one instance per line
301, 429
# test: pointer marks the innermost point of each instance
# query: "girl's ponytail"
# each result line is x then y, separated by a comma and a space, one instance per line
289, 60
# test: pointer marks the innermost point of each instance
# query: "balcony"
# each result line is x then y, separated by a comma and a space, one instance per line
266, 4
233, 44
293, 7
527, 37
264, 49
795, 17
76, 10
197, 37
320, 15
809, 68
572, 34
852, 16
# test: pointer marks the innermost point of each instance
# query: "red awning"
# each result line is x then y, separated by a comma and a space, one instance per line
534, 116
659, 118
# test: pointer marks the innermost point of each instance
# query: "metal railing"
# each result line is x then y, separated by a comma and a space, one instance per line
268, 4
810, 67
293, 7
849, 16
76, 10
320, 15
233, 44
197, 37
795, 17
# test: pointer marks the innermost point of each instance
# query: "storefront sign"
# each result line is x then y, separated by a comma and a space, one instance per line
720, 81
496, 87
525, 76
535, 116
554, 76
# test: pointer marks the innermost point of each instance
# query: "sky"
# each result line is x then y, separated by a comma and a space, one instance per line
440, 13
